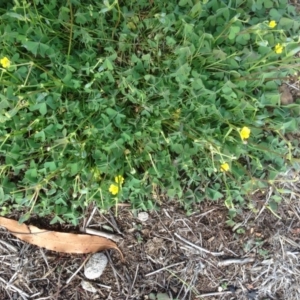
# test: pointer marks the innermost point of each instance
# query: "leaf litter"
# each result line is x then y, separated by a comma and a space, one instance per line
170, 256
58, 241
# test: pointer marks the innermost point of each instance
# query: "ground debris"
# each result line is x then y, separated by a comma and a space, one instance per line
88, 286
170, 254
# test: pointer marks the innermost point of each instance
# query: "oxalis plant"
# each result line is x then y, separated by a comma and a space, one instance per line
125, 101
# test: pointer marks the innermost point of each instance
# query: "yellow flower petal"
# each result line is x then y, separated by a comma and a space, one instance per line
119, 179
278, 48
5, 62
272, 24
114, 189
245, 133
224, 167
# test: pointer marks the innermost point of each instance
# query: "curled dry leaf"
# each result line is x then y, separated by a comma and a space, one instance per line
58, 241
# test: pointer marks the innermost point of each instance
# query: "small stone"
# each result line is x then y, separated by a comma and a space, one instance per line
88, 286
95, 266
143, 216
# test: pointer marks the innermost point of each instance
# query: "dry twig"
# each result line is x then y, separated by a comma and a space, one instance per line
84, 262
164, 268
109, 236
241, 261
214, 294
23, 294
9, 246
198, 247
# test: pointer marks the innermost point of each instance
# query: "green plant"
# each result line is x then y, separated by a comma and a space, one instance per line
157, 92
224, 285
264, 253
240, 230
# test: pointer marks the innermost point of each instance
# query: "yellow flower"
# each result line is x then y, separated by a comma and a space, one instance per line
245, 133
272, 24
119, 179
5, 62
114, 189
176, 114
224, 167
278, 48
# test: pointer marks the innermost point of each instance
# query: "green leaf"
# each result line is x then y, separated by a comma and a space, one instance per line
276, 198
286, 23
243, 39
270, 98
268, 3
230, 223
275, 14
56, 219
293, 52
196, 10
1, 195
162, 296
16, 16
273, 205
40, 135
152, 296
31, 173
74, 168
43, 108
51, 165
213, 194
183, 2
108, 64
234, 30
24, 218
44, 50
80, 18
31, 46
111, 112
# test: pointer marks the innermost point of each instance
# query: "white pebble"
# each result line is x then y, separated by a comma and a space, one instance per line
143, 216
88, 286
95, 266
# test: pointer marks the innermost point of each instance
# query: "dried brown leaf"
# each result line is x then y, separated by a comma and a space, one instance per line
286, 97
58, 241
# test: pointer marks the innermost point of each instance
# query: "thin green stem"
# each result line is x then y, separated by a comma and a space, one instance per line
71, 30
